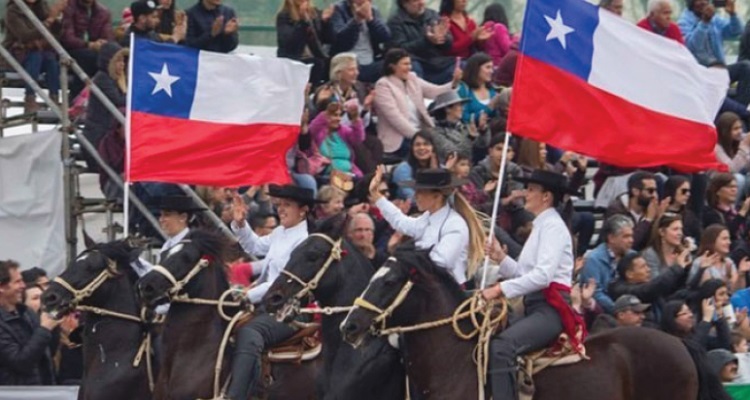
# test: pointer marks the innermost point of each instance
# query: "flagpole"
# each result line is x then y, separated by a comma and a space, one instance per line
129, 101
495, 206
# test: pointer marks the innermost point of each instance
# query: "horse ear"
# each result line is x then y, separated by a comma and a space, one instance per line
88, 241
135, 248
334, 226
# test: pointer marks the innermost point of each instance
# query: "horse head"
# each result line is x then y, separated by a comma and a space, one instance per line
199, 250
307, 268
88, 279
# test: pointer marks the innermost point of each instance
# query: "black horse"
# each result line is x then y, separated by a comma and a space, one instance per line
193, 332
625, 364
380, 373
102, 277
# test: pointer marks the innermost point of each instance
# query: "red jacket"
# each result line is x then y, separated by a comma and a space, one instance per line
78, 29
673, 32
462, 39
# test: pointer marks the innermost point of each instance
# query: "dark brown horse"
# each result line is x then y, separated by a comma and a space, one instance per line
626, 364
192, 332
382, 375
102, 277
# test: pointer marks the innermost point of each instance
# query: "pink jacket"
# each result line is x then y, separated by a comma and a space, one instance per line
392, 108
352, 135
498, 45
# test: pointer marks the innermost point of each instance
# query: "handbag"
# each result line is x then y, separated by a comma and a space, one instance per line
311, 164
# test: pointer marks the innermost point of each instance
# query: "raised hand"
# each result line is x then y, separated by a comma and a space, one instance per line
709, 308
232, 26
217, 26
239, 210
375, 194
327, 13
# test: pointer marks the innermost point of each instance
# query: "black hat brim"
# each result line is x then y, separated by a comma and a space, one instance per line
412, 184
281, 192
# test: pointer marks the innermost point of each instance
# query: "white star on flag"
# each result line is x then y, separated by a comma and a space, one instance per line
558, 30
163, 80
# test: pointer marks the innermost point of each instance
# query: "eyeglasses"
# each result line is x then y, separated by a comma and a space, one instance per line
685, 191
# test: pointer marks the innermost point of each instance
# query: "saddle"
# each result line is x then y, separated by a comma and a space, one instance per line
304, 346
559, 353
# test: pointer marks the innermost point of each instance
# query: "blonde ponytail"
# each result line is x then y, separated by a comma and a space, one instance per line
477, 237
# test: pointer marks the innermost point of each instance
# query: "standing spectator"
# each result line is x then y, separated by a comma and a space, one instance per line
496, 21
476, 86
112, 80
35, 276
466, 36
659, 20
212, 26
733, 150
421, 156
361, 232
146, 22
705, 32
301, 31
678, 189
451, 134
359, 28
400, 101
29, 47
86, 27
170, 18
640, 204
721, 196
614, 6
24, 337
666, 246
426, 37
601, 263
334, 140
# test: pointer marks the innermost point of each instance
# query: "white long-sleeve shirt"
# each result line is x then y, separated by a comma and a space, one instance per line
276, 248
445, 231
546, 257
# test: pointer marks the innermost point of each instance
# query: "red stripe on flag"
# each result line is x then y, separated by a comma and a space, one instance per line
552, 106
177, 150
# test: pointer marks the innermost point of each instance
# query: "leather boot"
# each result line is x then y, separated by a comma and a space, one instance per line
30, 105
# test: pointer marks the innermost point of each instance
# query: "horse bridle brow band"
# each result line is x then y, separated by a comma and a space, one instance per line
109, 272
385, 313
335, 255
178, 285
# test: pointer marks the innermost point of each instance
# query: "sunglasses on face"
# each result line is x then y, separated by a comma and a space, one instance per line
684, 191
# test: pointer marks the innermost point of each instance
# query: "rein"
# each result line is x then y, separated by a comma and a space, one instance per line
469, 308
81, 294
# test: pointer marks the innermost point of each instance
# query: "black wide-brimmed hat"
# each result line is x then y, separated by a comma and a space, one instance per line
183, 204
298, 194
433, 179
551, 181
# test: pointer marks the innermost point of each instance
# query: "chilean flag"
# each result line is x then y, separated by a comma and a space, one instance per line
198, 117
593, 83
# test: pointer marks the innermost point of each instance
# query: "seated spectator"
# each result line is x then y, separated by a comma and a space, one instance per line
733, 150
496, 21
640, 204
170, 19
301, 31
614, 6
330, 202
112, 152
634, 278
361, 232
705, 32
30, 49
667, 246
721, 196
451, 135
724, 364
601, 263
25, 337
145, 23
426, 37
35, 276
678, 189
112, 80
659, 20
714, 261
421, 156
466, 36
678, 320
476, 86
212, 26
359, 28
334, 140
628, 311
400, 102
86, 27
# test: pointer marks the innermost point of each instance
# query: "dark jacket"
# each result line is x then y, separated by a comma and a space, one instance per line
735, 223
745, 44
24, 349
408, 33
148, 35
20, 34
98, 119
78, 29
346, 30
654, 291
641, 229
199, 22
293, 36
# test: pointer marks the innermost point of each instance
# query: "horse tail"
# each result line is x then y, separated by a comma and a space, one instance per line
709, 384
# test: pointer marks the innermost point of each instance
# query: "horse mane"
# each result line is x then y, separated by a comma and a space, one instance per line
333, 226
119, 251
210, 243
423, 265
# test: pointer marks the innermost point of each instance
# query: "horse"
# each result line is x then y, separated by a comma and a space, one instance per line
625, 363
193, 331
101, 282
335, 272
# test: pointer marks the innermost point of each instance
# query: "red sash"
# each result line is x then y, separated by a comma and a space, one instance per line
573, 323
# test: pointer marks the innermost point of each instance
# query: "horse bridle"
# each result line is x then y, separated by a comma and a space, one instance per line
335, 255
178, 285
80, 294
382, 314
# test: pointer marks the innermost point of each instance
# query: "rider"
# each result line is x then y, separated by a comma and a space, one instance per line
542, 274
293, 205
448, 225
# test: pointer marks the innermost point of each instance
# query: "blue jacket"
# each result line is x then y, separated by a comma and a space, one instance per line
741, 299
601, 265
200, 20
346, 30
403, 172
473, 107
705, 39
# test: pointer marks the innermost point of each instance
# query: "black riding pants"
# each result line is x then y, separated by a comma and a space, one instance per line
535, 331
252, 340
